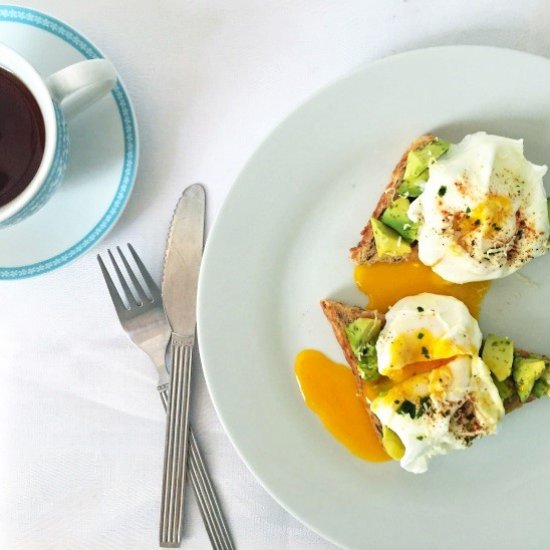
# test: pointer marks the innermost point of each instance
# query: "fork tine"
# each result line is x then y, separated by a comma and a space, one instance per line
115, 296
153, 288
142, 295
129, 295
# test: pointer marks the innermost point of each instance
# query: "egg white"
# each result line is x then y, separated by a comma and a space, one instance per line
447, 320
454, 405
483, 213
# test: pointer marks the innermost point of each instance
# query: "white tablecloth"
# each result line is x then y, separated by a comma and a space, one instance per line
81, 426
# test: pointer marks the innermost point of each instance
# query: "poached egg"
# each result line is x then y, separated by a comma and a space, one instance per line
440, 411
422, 329
441, 395
483, 212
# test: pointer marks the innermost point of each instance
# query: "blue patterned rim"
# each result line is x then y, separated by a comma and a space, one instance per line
47, 23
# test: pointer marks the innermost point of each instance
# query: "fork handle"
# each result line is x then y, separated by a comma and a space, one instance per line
164, 391
209, 506
175, 451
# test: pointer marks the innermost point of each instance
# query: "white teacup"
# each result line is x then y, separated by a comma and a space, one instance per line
60, 96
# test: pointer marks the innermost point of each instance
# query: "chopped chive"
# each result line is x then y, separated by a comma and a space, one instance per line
407, 407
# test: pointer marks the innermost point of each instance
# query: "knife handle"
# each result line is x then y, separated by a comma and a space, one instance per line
175, 451
207, 499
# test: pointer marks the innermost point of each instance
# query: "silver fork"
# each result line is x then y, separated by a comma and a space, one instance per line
147, 326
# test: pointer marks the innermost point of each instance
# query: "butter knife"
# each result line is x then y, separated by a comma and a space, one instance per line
179, 291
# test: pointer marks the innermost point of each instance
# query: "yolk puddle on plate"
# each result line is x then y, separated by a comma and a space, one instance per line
386, 283
329, 389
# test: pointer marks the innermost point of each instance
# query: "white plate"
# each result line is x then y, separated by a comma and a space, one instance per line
280, 245
103, 155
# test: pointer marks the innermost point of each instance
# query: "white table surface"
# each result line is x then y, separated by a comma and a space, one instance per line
81, 426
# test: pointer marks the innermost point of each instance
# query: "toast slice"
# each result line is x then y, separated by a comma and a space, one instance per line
365, 251
340, 315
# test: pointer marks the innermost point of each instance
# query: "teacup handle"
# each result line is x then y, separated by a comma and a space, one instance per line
80, 85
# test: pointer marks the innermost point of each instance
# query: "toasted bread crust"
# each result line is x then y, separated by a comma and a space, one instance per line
365, 251
340, 315
513, 403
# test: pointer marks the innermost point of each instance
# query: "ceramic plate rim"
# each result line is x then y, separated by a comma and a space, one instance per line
210, 249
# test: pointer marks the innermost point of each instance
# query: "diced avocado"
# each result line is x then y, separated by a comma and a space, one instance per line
367, 364
418, 162
396, 217
389, 243
548, 207
498, 355
546, 375
392, 443
540, 388
362, 335
413, 187
362, 331
526, 371
505, 387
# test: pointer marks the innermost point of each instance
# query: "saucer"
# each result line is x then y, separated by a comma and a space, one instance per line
103, 156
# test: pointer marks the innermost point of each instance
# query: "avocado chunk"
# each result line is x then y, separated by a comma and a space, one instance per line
498, 355
540, 388
392, 443
505, 387
413, 187
546, 374
526, 371
417, 169
420, 160
389, 243
362, 334
362, 331
548, 207
396, 217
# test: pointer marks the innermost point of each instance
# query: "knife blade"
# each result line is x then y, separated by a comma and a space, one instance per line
183, 259
179, 290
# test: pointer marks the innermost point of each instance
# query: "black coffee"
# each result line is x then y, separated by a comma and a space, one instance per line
22, 136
